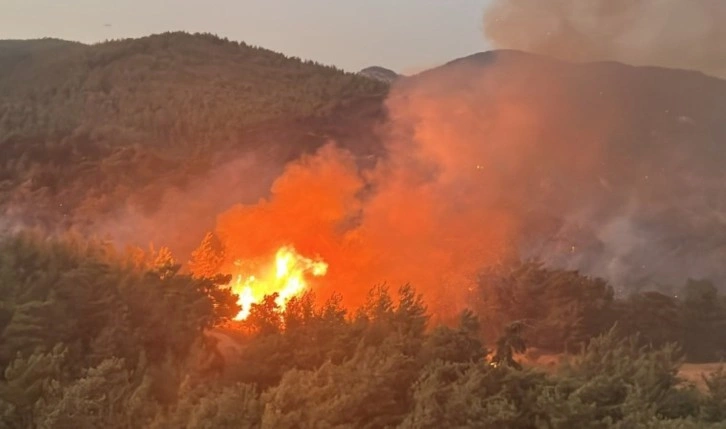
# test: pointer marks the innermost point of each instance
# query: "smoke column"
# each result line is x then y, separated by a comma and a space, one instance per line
606, 169
612, 170
687, 34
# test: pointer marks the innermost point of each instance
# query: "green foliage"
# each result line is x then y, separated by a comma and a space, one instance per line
97, 399
654, 316
87, 299
459, 345
508, 344
89, 129
265, 317
562, 309
338, 396
96, 338
612, 383
70, 306
613, 372
476, 395
704, 322
164, 78
26, 381
213, 407
714, 407
92, 337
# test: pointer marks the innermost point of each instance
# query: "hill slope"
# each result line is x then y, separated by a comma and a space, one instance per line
149, 85
612, 169
85, 128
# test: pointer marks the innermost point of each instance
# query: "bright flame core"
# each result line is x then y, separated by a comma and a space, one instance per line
288, 279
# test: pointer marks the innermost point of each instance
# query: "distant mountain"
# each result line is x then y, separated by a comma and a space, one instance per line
86, 129
201, 79
611, 169
379, 73
13, 52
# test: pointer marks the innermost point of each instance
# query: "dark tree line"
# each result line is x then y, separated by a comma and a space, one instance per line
561, 308
93, 337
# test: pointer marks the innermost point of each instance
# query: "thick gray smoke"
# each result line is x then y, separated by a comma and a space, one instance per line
613, 170
687, 34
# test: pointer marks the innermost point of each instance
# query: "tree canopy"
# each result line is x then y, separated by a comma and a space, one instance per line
92, 336
87, 129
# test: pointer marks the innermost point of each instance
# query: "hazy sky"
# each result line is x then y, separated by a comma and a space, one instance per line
405, 35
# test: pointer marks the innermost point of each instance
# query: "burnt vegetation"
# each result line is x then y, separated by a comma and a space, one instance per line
93, 336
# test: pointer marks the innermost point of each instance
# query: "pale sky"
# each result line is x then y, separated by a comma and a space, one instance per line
404, 35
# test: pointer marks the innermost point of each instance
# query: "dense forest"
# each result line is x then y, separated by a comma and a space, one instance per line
84, 129
94, 334
93, 337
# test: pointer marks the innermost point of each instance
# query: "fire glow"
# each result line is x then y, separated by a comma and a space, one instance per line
287, 277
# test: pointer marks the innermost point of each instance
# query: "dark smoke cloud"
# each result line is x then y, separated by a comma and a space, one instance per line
687, 34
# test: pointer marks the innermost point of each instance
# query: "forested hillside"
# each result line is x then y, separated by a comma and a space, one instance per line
611, 169
88, 130
84, 128
602, 168
91, 337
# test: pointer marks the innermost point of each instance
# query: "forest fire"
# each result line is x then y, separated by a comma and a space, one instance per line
287, 277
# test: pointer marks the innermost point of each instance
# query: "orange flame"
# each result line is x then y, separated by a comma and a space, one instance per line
287, 278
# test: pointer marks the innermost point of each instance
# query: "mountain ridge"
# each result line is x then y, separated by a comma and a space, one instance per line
618, 168
124, 121
491, 56
380, 73
128, 119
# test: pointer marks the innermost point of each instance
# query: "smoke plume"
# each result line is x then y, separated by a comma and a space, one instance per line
185, 215
608, 169
612, 170
687, 34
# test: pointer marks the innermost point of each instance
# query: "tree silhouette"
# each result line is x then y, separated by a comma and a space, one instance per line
508, 344
207, 259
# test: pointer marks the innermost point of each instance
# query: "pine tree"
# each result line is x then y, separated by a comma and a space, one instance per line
207, 259
509, 344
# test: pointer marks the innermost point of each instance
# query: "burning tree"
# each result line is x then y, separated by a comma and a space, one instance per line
207, 259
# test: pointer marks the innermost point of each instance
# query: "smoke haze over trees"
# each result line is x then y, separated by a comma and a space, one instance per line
489, 145
608, 169
538, 207
122, 125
